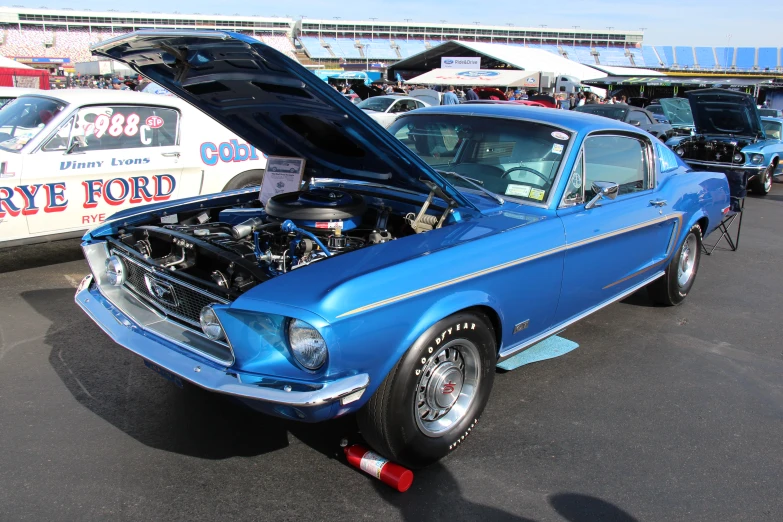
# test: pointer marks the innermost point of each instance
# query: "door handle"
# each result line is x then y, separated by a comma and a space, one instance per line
170, 154
658, 202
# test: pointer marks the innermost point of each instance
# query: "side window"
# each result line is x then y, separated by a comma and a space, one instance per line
616, 159
126, 127
61, 139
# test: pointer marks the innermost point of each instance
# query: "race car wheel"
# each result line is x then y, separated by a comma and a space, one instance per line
672, 288
763, 184
433, 397
250, 178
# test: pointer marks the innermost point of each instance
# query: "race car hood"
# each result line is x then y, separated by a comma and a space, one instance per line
724, 112
275, 104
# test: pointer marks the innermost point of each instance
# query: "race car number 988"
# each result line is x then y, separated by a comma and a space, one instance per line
116, 125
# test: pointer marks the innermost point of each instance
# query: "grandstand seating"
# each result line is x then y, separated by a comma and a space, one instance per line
684, 56
746, 58
74, 43
725, 57
705, 57
768, 58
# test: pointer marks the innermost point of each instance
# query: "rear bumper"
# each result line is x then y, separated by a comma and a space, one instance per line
306, 402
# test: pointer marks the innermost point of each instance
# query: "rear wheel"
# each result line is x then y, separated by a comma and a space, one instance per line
677, 280
763, 183
433, 397
247, 179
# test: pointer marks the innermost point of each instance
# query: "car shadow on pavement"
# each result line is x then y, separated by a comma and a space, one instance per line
115, 385
576, 507
41, 254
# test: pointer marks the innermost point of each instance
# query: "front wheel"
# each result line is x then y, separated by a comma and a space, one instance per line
672, 288
763, 184
247, 179
433, 397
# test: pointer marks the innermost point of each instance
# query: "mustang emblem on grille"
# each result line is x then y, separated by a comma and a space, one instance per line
161, 290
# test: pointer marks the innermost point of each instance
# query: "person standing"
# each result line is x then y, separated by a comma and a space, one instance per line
471, 95
564, 103
449, 97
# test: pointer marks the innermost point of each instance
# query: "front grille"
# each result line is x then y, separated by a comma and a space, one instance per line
178, 300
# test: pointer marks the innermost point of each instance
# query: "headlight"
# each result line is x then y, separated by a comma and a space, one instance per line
756, 159
210, 324
739, 158
679, 151
307, 345
115, 271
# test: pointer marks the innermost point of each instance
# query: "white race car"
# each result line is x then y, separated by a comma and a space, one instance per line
71, 158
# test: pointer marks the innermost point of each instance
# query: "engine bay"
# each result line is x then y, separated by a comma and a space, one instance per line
229, 250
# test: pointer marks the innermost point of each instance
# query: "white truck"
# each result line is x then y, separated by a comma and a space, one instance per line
71, 158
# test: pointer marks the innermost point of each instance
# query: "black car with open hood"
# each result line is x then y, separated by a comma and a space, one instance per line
728, 136
275, 104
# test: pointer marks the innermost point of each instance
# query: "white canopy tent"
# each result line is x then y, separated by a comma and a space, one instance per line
478, 78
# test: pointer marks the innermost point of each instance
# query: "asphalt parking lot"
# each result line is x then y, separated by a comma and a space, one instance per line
660, 414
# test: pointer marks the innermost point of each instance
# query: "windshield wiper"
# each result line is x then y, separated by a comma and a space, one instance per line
475, 182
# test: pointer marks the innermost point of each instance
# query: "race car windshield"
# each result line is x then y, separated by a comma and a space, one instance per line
516, 159
376, 104
24, 118
771, 129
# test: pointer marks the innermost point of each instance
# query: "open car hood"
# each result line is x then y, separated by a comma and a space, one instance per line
677, 111
724, 112
275, 104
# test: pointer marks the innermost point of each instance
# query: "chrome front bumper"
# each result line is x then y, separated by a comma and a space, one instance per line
159, 350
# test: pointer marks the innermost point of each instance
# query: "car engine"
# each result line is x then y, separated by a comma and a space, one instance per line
230, 250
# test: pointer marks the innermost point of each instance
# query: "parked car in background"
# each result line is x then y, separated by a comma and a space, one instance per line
631, 115
679, 115
657, 112
386, 109
69, 158
729, 137
411, 263
772, 113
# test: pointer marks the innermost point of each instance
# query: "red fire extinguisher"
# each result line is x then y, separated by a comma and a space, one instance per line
373, 464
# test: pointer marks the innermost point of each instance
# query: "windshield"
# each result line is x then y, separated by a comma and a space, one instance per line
771, 129
768, 112
517, 159
655, 109
24, 118
616, 113
376, 104
677, 111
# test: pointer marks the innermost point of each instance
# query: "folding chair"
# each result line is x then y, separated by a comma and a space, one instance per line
738, 188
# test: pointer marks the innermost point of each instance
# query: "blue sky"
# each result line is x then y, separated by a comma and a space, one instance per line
675, 22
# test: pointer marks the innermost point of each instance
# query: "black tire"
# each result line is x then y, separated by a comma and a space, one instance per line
670, 289
391, 421
762, 184
249, 178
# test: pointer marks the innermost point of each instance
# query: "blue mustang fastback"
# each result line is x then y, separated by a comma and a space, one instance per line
409, 263
728, 136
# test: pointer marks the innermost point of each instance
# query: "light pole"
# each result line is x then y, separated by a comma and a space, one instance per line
575, 28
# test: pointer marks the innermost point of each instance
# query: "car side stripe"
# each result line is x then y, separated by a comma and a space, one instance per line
509, 264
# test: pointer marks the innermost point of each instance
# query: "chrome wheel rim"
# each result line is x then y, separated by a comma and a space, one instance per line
446, 387
686, 265
768, 180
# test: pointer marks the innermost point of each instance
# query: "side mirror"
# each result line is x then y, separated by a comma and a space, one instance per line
635, 123
77, 143
603, 189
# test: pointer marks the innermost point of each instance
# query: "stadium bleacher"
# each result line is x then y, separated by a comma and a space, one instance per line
73, 42
746, 58
725, 57
768, 58
684, 57
705, 57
